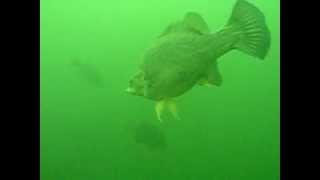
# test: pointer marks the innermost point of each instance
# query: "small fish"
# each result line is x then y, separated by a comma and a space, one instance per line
150, 135
88, 72
186, 54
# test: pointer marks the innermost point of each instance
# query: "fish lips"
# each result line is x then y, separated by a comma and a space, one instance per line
133, 91
130, 90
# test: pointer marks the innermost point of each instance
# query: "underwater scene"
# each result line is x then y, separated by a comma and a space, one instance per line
160, 90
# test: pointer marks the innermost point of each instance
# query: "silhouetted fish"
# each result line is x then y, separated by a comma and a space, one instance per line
89, 72
150, 135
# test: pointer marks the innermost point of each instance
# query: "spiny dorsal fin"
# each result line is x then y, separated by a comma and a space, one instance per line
192, 23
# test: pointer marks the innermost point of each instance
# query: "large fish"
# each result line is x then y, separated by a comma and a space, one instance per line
186, 54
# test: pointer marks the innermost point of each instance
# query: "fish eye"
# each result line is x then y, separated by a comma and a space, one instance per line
131, 82
149, 84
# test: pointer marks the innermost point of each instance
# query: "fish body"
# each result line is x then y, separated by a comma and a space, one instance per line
178, 61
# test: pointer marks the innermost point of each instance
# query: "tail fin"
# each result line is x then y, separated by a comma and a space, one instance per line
249, 21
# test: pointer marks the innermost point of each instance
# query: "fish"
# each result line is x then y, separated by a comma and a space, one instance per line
150, 135
186, 54
89, 72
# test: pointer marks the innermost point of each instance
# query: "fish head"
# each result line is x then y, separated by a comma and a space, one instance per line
136, 84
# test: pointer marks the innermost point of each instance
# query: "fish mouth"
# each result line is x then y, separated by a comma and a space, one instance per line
131, 90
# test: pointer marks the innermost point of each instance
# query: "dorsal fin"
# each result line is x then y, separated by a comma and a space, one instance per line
192, 23
193, 20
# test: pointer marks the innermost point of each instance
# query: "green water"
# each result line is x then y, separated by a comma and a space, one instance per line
225, 133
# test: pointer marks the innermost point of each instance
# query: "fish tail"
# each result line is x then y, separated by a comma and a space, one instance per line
247, 22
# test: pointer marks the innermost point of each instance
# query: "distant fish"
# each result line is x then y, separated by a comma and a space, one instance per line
151, 136
89, 72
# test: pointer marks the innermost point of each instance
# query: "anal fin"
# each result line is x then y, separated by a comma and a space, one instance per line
212, 76
205, 82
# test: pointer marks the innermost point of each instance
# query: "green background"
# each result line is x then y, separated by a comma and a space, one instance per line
225, 133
